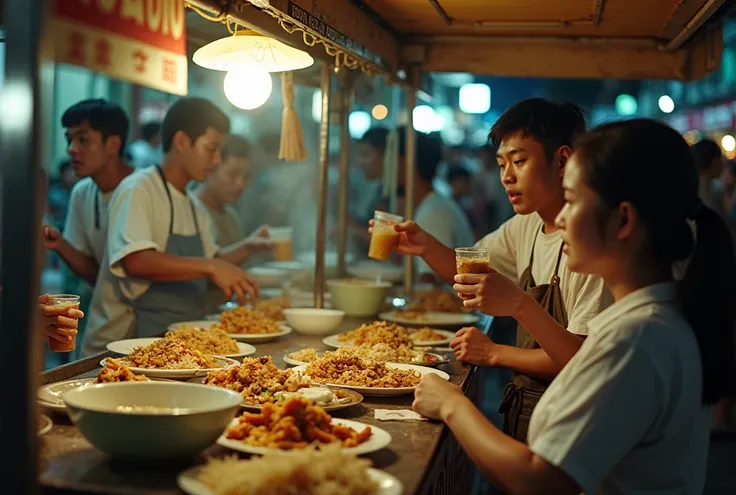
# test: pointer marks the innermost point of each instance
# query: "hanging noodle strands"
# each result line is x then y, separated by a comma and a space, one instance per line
292, 139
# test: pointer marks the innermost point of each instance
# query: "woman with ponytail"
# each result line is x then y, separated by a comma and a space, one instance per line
630, 412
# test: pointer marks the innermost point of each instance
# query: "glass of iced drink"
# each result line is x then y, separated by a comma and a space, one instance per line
70, 301
282, 241
472, 260
384, 239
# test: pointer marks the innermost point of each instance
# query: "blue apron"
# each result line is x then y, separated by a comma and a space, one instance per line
165, 303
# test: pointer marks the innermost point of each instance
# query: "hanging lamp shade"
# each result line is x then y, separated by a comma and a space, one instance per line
249, 47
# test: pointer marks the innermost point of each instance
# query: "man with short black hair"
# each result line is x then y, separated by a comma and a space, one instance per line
161, 245
96, 133
220, 190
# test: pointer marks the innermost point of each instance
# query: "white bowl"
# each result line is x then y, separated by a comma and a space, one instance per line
190, 417
313, 321
358, 297
268, 277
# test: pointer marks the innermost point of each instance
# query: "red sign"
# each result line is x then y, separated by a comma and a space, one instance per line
142, 41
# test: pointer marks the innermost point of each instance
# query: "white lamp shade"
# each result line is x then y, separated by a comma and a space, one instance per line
248, 87
247, 48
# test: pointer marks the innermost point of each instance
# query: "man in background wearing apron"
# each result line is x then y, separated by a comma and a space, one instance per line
160, 244
96, 132
533, 139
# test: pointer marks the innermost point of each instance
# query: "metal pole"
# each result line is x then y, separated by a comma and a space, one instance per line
342, 212
324, 138
410, 158
25, 115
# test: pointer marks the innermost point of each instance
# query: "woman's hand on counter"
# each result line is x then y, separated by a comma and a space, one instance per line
474, 347
58, 322
434, 397
495, 294
233, 280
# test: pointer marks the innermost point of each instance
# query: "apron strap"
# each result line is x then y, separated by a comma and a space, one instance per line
97, 207
168, 193
534, 245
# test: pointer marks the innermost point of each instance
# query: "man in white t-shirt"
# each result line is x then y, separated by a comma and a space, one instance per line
96, 131
160, 244
436, 214
533, 140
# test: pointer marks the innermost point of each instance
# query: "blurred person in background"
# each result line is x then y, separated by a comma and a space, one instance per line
710, 162
435, 213
461, 182
220, 190
59, 192
368, 185
96, 133
147, 151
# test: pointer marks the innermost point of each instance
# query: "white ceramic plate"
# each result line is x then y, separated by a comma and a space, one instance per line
448, 336
379, 439
439, 360
371, 270
177, 374
431, 319
253, 338
125, 347
189, 483
334, 342
384, 391
49, 396
44, 424
350, 398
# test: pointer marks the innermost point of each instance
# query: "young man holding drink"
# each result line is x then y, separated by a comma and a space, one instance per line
533, 140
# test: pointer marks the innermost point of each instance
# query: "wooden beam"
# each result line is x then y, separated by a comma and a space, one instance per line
344, 21
560, 57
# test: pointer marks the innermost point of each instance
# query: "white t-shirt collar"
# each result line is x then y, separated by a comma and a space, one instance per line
657, 293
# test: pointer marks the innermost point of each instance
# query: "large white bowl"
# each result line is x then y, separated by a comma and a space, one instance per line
373, 270
358, 297
313, 321
268, 277
194, 417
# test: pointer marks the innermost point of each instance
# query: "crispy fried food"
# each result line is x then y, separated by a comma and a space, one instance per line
435, 301
294, 425
213, 341
273, 308
257, 379
304, 355
426, 334
246, 321
115, 371
170, 354
341, 369
377, 332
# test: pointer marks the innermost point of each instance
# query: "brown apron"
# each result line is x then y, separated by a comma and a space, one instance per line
523, 392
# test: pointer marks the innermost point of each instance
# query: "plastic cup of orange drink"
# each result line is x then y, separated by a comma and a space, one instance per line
472, 260
384, 239
281, 237
70, 301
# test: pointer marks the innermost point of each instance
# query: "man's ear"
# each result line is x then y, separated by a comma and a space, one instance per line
563, 155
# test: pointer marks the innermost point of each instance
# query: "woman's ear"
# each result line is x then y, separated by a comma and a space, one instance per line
628, 220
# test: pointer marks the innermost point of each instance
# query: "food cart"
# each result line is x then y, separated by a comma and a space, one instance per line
664, 39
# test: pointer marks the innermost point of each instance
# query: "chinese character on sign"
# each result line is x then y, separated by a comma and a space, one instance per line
76, 47
169, 71
140, 60
102, 53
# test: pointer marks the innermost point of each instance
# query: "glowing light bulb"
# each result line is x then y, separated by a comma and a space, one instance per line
248, 87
